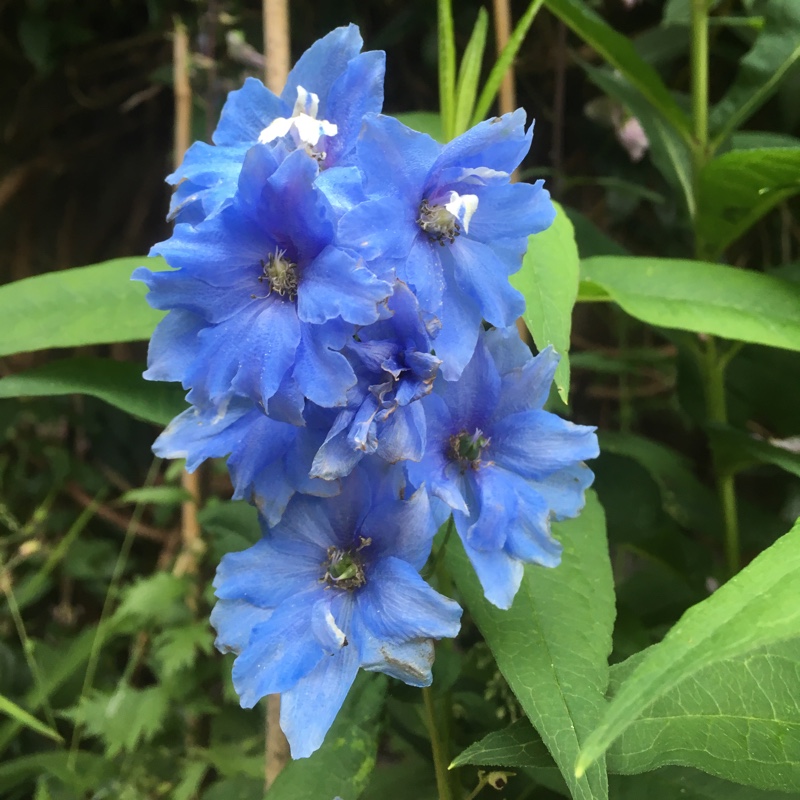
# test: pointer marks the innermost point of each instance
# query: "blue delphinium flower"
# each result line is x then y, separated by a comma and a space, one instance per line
268, 460
394, 366
320, 110
262, 299
504, 465
451, 221
334, 587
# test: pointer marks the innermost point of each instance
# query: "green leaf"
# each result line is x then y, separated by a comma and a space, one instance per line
74, 307
706, 298
469, 73
738, 188
758, 140
620, 53
157, 598
11, 709
736, 450
176, 649
504, 62
81, 770
424, 121
118, 383
342, 766
549, 282
761, 70
552, 645
591, 240
124, 719
518, 745
751, 620
156, 495
447, 67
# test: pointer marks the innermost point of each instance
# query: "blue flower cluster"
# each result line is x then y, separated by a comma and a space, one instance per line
341, 316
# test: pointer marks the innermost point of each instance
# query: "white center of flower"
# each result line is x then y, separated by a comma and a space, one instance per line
303, 126
444, 222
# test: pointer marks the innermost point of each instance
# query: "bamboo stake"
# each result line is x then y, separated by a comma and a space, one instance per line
276, 70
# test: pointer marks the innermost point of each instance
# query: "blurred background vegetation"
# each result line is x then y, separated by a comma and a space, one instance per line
91, 526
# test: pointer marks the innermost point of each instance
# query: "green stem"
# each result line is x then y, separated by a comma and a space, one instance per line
438, 746
699, 61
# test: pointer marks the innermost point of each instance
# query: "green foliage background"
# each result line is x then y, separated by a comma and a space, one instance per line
639, 668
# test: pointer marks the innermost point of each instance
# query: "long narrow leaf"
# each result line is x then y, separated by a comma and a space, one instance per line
447, 68
28, 720
503, 64
470, 72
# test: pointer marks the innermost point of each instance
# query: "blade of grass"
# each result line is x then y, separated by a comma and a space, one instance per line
469, 73
447, 67
24, 718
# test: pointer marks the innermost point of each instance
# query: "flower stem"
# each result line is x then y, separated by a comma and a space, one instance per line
438, 746
699, 61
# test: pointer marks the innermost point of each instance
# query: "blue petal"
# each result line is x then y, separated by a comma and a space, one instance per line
496, 512
325, 623
508, 351
309, 708
172, 346
461, 320
423, 271
320, 65
355, 93
528, 387
499, 143
500, 574
281, 651
246, 113
335, 285
484, 277
234, 621
381, 227
473, 397
401, 528
324, 375
402, 436
564, 491
397, 605
395, 159
337, 457
342, 188
270, 572
513, 211
528, 536
535, 444
265, 347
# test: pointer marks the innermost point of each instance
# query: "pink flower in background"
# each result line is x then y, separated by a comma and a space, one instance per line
631, 135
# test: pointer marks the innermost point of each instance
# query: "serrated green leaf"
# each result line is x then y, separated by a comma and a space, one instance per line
756, 613
761, 70
552, 645
620, 53
11, 709
176, 649
125, 718
469, 73
118, 383
736, 189
158, 598
74, 307
549, 282
342, 766
706, 298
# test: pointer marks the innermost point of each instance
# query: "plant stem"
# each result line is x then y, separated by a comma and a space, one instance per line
699, 61
438, 746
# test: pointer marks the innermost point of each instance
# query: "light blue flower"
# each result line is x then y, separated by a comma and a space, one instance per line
394, 367
268, 460
261, 299
504, 465
334, 587
449, 220
320, 110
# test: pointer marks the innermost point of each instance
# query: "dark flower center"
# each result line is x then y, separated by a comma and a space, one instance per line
344, 568
280, 275
467, 448
440, 225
